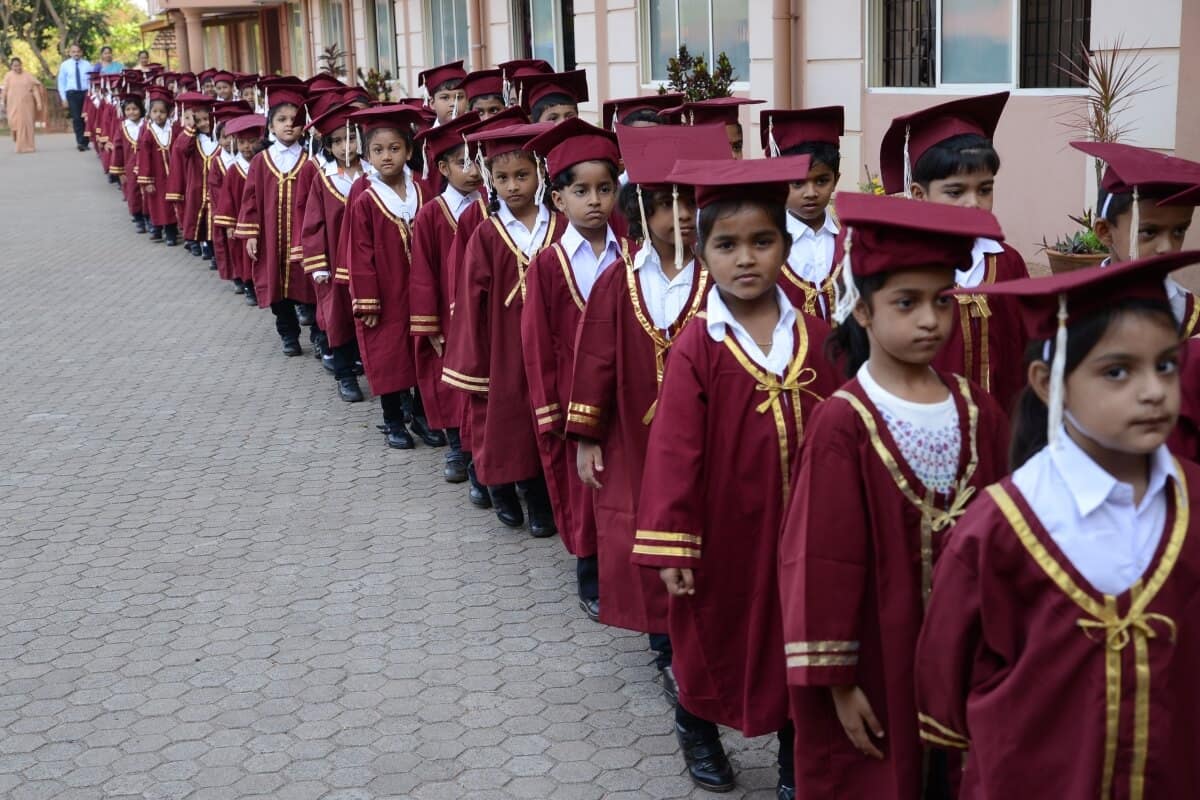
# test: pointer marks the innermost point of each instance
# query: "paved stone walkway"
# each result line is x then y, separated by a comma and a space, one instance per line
217, 582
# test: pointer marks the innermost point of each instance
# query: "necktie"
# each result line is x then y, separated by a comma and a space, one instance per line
78, 77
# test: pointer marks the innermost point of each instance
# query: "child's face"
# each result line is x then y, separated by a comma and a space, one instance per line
661, 223
515, 177
589, 199
966, 190
201, 121
1161, 230
224, 90
388, 152
208, 88
488, 105
133, 112
227, 141
910, 316
1125, 393
158, 113
736, 141
448, 103
343, 147
246, 144
807, 201
460, 171
557, 114
744, 253
248, 94
284, 125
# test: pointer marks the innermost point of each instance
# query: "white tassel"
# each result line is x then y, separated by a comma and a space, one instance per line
642, 215
346, 158
484, 172
678, 233
1105, 207
425, 160
1058, 371
1135, 225
539, 196
772, 145
505, 88
907, 164
847, 296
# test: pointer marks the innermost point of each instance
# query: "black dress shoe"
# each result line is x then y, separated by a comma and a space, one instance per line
591, 608
348, 390
507, 505
669, 686
783, 792
707, 764
291, 347
455, 470
541, 514
397, 436
139, 224
327, 362
156, 233
478, 494
171, 241
207, 252
430, 436
239, 287
251, 297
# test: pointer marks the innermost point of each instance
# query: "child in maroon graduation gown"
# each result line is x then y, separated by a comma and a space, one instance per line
154, 167
946, 153
221, 164
247, 131
432, 283
483, 356
629, 324
889, 465
192, 154
581, 161
1061, 643
737, 394
265, 218
124, 158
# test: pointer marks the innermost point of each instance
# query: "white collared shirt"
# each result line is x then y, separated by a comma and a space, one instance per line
242, 162
1177, 296
970, 278
1091, 516
525, 239
458, 202
162, 133
228, 158
663, 298
811, 256
133, 128
720, 321
207, 144
403, 207
586, 266
285, 158
341, 179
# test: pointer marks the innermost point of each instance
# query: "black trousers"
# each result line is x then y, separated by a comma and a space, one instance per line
344, 357
395, 406
660, 643
587, 573
286, 323
75, 104
786, 735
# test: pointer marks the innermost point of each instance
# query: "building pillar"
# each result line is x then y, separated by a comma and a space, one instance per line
195, 38
182, 52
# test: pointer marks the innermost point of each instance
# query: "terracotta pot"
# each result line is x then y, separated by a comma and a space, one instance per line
1069, 262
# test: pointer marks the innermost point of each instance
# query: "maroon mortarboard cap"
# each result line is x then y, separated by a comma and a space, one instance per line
331, 119
520, 67
322, 100
132, 74
271, 81
395, 116
574, 141
247, 123
1188, 197
154, 65
912, 135
287, 94
95, 77
714, 111
434, 77
243, 80
186, 76
1128, 167
194, 100
498, 141
513, 115
132, 93
483, 82
223, 75
783, 129
205, 74
323, 80
726, 179
1086, 291
615, 111
436, 141
159, 93
230, 109
894, 233
532, 88
650, 154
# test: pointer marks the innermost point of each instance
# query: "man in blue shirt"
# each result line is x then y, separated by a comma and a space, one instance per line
73, 87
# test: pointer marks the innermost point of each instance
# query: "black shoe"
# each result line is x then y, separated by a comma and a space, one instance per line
304, 314
348, 390
156, 233
171, 241
478, 494
430, 436
171, 235
190, 246
707, 764
783, 792
139, 224
239, 287
358, 367
291, 347
455, 470
541, 514
591, 608
207, 252
507, 505
327, 362
397, 436
669, 686
81, 147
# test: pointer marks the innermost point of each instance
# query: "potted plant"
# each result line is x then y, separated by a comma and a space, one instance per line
1075, 250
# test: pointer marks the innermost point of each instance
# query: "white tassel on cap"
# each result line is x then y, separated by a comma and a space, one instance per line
539, 197
907, 164
846, 294
425, 159
484, 172
678, 233
642, 214
1058, 371
772, 145
347, 150
1135, 225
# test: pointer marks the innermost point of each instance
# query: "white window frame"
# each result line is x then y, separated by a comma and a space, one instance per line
874, 65
742, 84
431, 55
556, 11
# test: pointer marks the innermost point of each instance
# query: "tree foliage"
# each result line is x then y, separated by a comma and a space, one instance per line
48, 27
690, 75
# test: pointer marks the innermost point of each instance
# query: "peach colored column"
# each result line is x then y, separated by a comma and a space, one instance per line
195, 38
1187, 111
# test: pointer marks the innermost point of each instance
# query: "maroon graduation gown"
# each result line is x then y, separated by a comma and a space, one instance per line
154, 169
324, 214
1056, 689
619, 361
483, 356
268, 204
432, 295
378, 263
856, 559
225, 216
1185, 439
987, 343
717, 481
549, 326
124, 163
806, 296
220, 235
189, 184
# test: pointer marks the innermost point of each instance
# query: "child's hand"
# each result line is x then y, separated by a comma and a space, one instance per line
858, 719
680, 582
438, 343
370, 320
589, 461
148, 188
252, 249
320, 276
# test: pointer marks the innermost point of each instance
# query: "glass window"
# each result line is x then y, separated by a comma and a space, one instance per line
447, 31
707, 27
296, 44
977, 41
333, 23
385, 37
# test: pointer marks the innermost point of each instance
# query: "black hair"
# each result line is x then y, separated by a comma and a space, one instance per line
273, 110
447, 155
154, 100
499, 97
1030, 418
565, 178
105, 47
327, 146
825, 153
453, 83
967, 152
627, 204
16, 59
550, 101
140, 52
405, 133
494, 196
708, 216
133, 101
1122, 202
849, 340
642, 115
